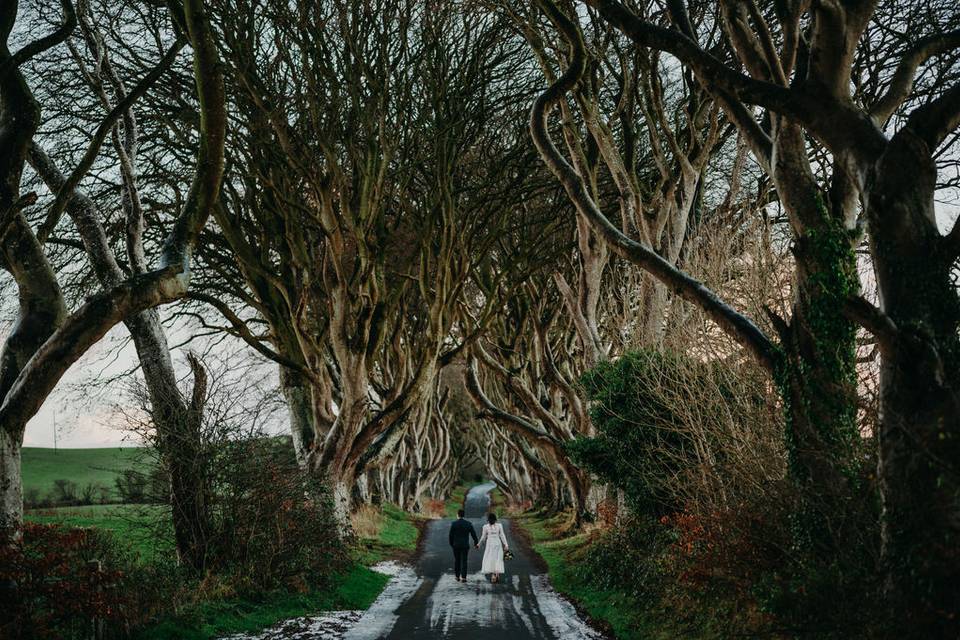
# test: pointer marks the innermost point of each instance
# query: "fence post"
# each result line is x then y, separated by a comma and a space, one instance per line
96, 623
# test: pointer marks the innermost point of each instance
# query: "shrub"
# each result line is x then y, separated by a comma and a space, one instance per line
671, 430
366, 521
273, 523
58, 587
90, 493
131, 486
433, 507
32, 498
64, 492
698, 450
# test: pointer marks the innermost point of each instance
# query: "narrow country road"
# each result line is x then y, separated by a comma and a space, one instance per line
522, 606
426, 602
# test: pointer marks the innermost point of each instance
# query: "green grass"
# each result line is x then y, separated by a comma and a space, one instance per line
455, 501
355, 589
41, 466
398, 531
144, 530
397, 537
625, 617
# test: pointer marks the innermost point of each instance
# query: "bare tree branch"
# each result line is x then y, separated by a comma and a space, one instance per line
65, 192
902, 82
48, 41
741, 328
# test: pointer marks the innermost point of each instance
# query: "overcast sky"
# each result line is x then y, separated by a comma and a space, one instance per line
84, 406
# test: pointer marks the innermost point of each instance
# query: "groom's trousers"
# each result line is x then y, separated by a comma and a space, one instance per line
460, 561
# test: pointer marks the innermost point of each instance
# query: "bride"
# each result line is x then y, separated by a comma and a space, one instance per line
496, 545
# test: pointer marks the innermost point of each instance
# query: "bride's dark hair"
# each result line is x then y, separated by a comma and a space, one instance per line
491, 518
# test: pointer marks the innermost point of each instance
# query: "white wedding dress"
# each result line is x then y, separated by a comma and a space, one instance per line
496, 544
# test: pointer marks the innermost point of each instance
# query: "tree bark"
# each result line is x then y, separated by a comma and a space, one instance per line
41, 306
28, 376
300, 408
919, 430
11, 488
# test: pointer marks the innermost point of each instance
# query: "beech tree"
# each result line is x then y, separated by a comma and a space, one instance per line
48, 338
520, 386
90, 59
608, 306
381, 163
799, 64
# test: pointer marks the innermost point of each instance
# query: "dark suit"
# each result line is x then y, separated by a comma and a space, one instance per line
460, 533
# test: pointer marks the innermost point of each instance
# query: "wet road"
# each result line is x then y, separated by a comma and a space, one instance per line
426, 602
522, 606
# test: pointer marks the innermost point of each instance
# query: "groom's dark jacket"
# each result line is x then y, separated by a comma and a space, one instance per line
460, 533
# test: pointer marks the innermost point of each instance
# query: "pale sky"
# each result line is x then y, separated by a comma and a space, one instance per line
83, 412
84, 404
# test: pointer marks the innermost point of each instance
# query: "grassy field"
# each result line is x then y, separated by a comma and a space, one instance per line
561, 555
41, 467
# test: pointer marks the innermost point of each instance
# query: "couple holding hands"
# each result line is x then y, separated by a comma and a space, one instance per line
460, 533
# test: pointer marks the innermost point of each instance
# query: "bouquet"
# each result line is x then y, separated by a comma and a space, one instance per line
508, 555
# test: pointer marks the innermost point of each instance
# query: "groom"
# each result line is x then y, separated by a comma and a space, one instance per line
460, 533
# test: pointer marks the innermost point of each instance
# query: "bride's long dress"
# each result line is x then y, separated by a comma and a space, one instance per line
493, 553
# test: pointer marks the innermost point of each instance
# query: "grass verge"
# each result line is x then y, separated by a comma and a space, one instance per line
394, 535
355, 589
455, 501
619, 613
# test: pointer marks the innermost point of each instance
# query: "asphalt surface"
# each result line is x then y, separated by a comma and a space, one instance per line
521, 606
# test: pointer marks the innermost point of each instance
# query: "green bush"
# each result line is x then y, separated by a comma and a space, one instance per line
653, 412
698, 450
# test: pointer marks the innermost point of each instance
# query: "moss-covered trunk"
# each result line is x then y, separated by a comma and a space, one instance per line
818, 382
817, 371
